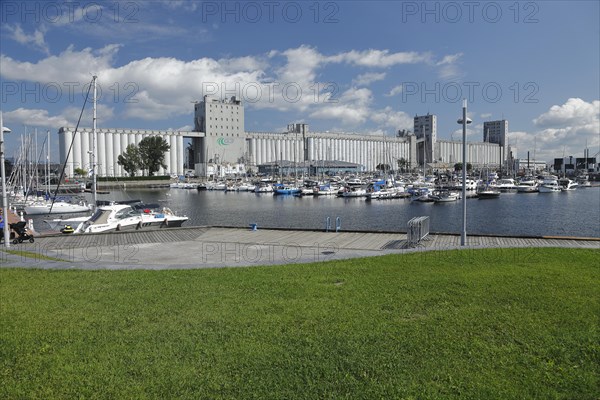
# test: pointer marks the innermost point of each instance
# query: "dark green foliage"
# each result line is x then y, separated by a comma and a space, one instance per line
152, 151
130, 159
458, 166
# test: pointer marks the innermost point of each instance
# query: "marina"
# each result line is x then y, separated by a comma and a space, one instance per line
569, 213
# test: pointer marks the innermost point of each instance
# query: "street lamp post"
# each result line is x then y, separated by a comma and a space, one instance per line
6, 231
464, 121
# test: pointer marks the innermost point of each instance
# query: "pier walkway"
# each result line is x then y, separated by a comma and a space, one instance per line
210, 247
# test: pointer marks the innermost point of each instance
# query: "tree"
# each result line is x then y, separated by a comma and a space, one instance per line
402, 164
382, 167
80, 171
458, 166
152, 151
130, 159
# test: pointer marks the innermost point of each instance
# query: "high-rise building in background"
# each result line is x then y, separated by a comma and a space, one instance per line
495, 132
425, 128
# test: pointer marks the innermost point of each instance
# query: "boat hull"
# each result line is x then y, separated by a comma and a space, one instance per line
57, 208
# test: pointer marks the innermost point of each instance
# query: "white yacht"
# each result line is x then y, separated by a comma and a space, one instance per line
584, 181
183, 185
444, 196
470, 184
527, 185
550, 185
487, 192
59, 207
122, 217
506, 185
567, 184
354, 191
263, 187
325, 190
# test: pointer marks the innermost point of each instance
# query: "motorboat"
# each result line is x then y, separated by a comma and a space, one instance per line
567, 184
354, 191
307, 191
444, 196
58, 224
123, 217
422, 195
263, 187
550, 185
285, 189
527, 185
583, 181
354, 182
470, 184
487, 192
183, 185
325, 190
59, 207
506, 185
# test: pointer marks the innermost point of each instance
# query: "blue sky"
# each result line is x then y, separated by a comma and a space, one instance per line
351, 66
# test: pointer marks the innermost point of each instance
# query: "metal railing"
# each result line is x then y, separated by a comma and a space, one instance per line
338, 224
418, 230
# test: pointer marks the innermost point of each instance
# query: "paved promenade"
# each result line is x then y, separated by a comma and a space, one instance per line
210, 247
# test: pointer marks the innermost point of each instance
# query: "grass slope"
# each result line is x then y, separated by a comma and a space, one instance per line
500, 323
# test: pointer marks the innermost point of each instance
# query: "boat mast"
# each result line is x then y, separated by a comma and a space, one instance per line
94, 146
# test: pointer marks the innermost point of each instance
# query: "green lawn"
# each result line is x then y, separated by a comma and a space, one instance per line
483, 324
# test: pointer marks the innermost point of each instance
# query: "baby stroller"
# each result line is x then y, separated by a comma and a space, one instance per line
19, 228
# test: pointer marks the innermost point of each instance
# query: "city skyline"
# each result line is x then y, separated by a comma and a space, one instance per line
293, 62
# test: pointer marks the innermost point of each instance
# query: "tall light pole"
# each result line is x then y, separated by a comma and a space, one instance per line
6, 231
464, 121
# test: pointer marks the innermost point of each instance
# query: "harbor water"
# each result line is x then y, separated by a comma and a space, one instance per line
571, 213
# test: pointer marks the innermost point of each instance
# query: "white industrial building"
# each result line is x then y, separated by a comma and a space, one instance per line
219, 138
112, 143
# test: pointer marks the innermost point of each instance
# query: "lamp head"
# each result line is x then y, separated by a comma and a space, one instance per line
460, 121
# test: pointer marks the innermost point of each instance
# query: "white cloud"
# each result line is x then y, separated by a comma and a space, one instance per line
35, 118
352, 108
158, 88
68, 66
448, 68
485, 115
575, 112
565, 129
473, 134
394, 91
68, 117
184, 4
104, 114
368, 78
380, 58
450, 59
35, 40
388, 118
184, 128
